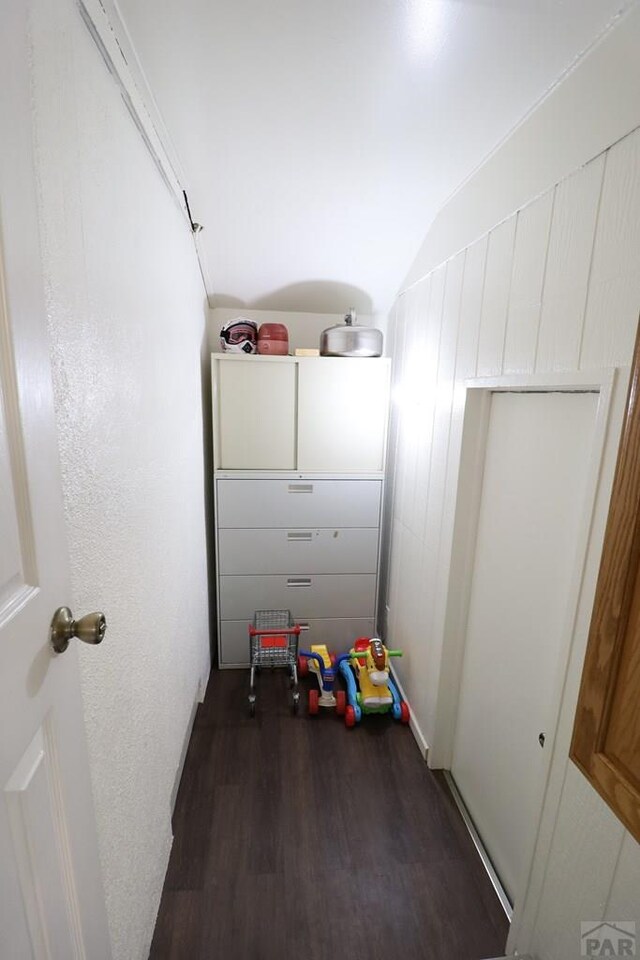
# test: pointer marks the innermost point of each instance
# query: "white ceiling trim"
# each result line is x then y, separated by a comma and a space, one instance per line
112, 39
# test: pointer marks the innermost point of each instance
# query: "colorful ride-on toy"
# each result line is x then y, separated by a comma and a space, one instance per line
321, 663
370, 688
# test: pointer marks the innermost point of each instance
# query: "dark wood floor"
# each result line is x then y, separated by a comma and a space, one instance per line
297, 838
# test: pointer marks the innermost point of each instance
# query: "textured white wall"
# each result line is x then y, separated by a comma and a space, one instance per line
127, 319
553, 287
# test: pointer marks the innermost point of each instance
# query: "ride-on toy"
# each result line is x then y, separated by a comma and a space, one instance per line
321, 663
370, 688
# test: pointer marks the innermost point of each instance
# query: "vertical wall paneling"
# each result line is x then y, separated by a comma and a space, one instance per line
416, 398
392, 529
423, 362
573, 225
419, 578
495, 301
614, 287
555, 288
471, 309
529, 264
409, 393
441, 506
524, 921
391, 349
403, 322
624, 901
430, 350
592, 837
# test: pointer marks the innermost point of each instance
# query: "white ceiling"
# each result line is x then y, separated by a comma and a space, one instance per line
320, 137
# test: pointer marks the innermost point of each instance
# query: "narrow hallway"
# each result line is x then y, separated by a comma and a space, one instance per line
295, 837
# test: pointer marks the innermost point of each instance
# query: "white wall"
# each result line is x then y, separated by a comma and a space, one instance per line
552, 286
595, 105
127, 319
304, 328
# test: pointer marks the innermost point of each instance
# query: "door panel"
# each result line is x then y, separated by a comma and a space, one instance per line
40, 840
52, 903
256, 415
342, 414
17, 548
537, 455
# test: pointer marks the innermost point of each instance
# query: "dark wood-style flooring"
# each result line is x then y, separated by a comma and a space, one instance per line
297, 838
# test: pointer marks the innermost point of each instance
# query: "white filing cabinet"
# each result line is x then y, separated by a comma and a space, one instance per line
299, 447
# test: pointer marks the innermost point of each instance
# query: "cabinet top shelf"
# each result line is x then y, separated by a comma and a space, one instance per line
265, 358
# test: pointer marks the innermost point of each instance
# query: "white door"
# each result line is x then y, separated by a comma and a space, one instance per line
51, 899
532, 503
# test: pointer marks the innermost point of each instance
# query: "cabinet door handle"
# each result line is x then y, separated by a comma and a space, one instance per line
298, 535
300, 488
299, 582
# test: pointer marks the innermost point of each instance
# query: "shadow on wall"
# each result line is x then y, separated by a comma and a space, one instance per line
207, 440
312, 296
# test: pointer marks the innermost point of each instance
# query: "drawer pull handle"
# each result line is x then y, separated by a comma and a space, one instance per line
297, 536
299, 582
300, 488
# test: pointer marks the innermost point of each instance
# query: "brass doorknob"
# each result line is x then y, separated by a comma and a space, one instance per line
89, 629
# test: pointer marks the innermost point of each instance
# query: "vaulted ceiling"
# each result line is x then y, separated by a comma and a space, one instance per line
319, 138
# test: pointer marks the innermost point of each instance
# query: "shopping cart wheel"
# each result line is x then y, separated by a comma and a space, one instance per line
314, 702
296, 702
341, 702
252, 708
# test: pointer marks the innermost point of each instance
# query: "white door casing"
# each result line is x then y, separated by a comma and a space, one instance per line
537, 473
51, 900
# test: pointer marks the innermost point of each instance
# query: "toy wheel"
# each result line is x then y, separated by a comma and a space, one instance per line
350, 716
405, 716
341, 703
314, 705
303, 666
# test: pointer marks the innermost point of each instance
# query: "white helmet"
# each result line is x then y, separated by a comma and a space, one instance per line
239, 335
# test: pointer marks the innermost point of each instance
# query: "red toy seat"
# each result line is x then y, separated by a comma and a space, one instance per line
361, 644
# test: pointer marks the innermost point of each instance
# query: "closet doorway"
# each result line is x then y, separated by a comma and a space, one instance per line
535, 477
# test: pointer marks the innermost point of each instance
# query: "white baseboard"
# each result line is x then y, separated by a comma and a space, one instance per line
414, 726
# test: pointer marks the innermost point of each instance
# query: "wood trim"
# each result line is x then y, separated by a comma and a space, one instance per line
609, 754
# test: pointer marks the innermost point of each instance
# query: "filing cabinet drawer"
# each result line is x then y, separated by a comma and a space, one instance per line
299, 503
309, 597
338, 635
351, 550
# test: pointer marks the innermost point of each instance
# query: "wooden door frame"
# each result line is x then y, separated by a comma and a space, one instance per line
613, 625
477, 409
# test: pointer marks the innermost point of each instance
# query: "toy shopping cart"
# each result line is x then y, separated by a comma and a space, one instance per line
273, 642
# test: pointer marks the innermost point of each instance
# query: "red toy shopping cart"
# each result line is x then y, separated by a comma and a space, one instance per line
273, 642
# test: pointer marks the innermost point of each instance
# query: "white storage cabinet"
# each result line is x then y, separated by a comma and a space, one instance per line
299, 447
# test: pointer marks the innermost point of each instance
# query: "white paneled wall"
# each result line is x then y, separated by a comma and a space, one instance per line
555, 287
